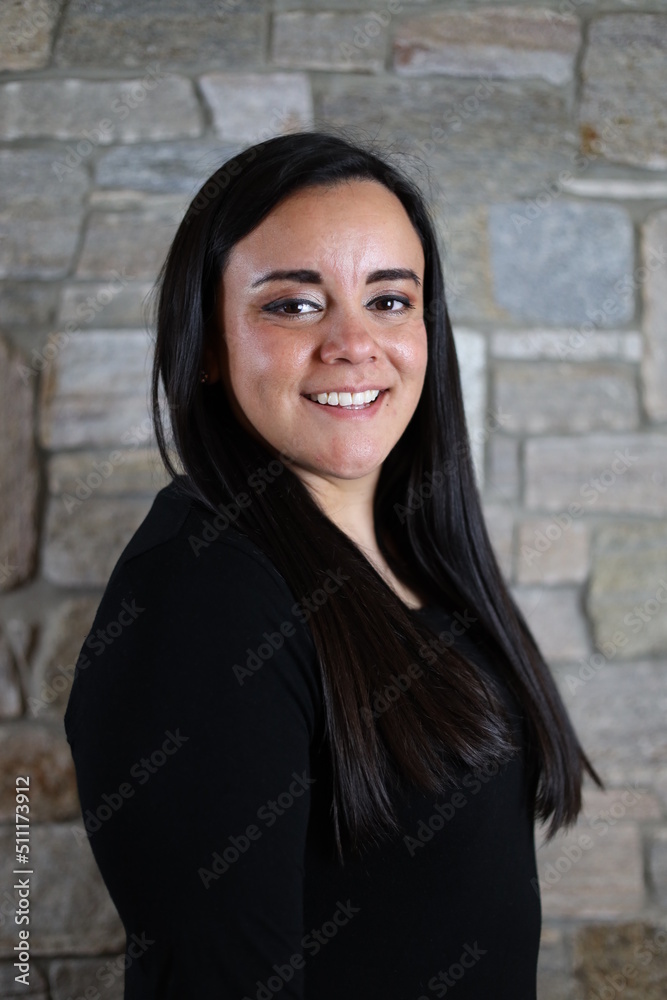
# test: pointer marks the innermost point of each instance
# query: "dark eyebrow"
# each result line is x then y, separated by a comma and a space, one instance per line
315, 278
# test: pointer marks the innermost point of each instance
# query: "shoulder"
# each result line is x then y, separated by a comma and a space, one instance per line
195, 604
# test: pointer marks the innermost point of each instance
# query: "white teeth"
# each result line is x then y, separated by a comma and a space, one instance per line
345, 398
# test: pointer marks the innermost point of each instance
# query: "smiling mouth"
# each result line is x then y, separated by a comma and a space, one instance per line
332, 400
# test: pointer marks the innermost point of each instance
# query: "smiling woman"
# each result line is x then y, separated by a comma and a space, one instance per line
369, 730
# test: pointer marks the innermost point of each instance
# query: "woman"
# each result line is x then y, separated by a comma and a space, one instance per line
325, 731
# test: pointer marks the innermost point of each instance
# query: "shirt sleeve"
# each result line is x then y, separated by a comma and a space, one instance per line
191, 722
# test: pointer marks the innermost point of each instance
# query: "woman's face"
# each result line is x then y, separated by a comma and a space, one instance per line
325, 296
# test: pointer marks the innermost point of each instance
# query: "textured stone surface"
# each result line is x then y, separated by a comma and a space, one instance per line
325, 40
130, 243
552, 552
500, 523
55, 657
249, 107
654, 362
10, 989
480, 140
102, 977
624, 76
28, 304
26, 33
630, 802
601, 472
95, 113
463, 234
599, 876
618, 710
566, 265
566, 397
566, 345
81, 549
115, 302
554, 617
132, 470
95, 392
626, 960
71, 911
18, 470
121, 33
554, 981
10, 688
40, 216
471, 354
502, 476
42, 753
509, 42
658, 865
163, 167
628, 587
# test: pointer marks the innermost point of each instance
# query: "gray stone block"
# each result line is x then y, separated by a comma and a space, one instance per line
133, 244
567, 345
555, 618
599, 472
658, 865
71, 910
566, 265
586, 873
81, 549
41, 216
469, 141
250, 107
28, 304
19, 479
548, 553
95, 113
121, 33
180, 167
507, 42
115, 303
36, 989
95, 391
627, 595
538, 397
624, 74
26, 34
617, 708
654, 361
502, 475
328, 40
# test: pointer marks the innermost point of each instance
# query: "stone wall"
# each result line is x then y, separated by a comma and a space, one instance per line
539, 131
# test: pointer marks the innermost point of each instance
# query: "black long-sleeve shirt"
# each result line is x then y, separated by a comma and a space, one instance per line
196, 722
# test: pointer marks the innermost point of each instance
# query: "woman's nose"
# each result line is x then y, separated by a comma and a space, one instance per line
347, 335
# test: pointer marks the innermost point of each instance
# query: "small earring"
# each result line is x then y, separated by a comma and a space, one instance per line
204, 376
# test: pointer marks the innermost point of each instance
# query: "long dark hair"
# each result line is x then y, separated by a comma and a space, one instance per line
447, 716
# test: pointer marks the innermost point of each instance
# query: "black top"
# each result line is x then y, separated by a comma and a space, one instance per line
195, 723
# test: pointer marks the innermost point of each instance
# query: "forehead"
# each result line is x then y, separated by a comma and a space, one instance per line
355, 220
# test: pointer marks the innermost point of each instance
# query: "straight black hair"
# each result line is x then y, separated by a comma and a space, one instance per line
448, 716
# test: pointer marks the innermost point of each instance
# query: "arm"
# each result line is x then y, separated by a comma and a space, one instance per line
204, 855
